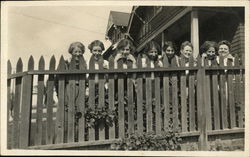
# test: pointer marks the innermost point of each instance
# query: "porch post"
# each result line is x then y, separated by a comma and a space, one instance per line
195, 32
162, 39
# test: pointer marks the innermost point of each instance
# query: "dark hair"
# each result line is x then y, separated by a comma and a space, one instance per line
224, 42
74, 45
186, 43
125, 42
169, 44
150, 45
96, 43
206, 45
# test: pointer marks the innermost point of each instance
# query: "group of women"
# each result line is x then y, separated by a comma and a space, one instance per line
125, 51
153, 56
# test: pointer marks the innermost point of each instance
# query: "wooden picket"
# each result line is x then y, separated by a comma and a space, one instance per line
71, 102
149, 114
231, 96
166, 97
16, 107
111, 96
191, 95
40, 96
130, 95
61, 105
238, 92
216, 107
223, 100
25, 122
183, 89
80, 101
201, 109
193, 98
91, 101
49, 103
101, 98
121, 114
175, 102
208, 97
157, 95
139, 97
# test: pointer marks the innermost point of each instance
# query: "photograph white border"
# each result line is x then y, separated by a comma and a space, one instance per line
4, 54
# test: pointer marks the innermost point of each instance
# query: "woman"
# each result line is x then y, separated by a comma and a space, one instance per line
186, 51
152, 52
209, 51
96, 48
124, 50
224, 47
169, 50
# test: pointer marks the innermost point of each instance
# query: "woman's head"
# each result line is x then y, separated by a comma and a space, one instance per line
125, 47
186, 49
224, 48
210, 49
76, 49
152, 50
96, 48
169, 49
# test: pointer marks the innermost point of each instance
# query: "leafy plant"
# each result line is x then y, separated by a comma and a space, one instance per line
100, 115
149, 141
220, 145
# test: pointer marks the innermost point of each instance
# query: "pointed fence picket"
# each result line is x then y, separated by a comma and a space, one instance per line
16, 106
40, 104
60, 123
49, 103
25, 122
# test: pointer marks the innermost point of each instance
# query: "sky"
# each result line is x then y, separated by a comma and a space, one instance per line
49, 30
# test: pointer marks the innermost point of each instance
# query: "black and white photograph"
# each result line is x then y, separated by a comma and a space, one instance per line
125, 78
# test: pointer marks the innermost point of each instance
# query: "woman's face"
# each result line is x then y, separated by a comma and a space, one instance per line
76, 53
125, 51
153, 53
210, 53
169, 52
223, 50
187, 51
97, 52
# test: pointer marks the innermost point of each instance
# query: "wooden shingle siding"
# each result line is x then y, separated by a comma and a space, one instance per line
237, 44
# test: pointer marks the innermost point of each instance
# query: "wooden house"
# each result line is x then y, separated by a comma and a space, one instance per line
116, 29
195, 24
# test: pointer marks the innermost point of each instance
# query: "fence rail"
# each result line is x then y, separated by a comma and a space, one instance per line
192, 99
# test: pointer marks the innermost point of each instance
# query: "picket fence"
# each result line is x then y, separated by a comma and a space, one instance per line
194, 101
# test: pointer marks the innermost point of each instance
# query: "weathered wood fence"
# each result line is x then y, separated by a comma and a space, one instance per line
194, 101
